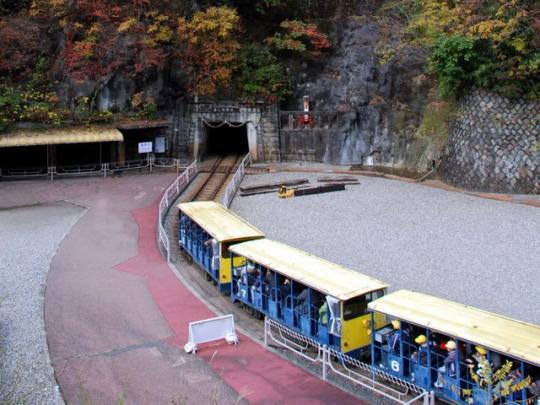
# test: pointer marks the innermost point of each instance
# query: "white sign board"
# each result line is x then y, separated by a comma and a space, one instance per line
208, 330
145, 147
160, 144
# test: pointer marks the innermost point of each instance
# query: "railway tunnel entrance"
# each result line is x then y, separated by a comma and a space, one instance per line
228, 127
226, 138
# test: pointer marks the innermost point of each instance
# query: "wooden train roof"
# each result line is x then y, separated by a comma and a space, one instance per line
218, 221
517, 339
310, 270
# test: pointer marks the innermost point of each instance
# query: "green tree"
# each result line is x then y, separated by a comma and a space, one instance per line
458, 63
260, 75
494, 44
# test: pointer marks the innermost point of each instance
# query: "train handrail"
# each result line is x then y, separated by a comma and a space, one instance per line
324, 356
171, 193
232, 187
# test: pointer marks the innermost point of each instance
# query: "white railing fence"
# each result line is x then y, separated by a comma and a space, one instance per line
180, 184
169, 196
363, 374
93, 169
232, 187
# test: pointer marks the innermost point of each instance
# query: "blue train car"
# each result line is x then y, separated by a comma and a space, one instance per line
314, 297
466, 355
206, 231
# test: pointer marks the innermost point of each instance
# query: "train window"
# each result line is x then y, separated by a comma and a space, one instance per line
358, 306
354, 308
375, 295
225, 250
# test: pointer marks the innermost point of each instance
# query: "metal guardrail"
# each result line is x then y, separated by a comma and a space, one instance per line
302, 346
78, 170
27, 172
129, 165
92, 169
232, 187
171, 194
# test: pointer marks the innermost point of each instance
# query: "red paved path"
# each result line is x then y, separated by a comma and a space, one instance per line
255, 373
117, 317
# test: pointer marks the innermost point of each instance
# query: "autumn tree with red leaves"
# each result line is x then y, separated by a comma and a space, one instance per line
47, 42
297, 36
208, 47
22, 43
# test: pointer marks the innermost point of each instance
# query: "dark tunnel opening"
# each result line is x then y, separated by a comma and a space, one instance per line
225, 139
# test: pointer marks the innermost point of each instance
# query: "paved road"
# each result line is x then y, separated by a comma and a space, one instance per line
476, 251
117, 318
107, 337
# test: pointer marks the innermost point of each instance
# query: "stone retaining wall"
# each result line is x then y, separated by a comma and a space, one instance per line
494, 144
268, 141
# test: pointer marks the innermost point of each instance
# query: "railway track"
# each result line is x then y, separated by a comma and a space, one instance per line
212, 178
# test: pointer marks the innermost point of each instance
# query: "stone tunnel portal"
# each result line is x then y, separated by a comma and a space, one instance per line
224, 138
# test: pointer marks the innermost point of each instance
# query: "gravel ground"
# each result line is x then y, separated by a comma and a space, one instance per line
29, 237
475, 251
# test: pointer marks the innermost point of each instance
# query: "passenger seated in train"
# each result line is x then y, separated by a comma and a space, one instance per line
249, 277
534, 391
326, 312
270, 285
449, 363
255, 281
323, 313
478, 364
394, 340
438, 343
285, 288
247, 274
215, 252
420, 355
301, 304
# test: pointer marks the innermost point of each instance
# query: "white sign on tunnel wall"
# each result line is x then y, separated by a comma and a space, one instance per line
160, 144
145, 147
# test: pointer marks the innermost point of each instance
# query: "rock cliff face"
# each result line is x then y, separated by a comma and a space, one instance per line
380, 105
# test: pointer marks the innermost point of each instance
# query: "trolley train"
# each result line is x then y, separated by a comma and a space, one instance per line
206, 231
319, 299
465, 355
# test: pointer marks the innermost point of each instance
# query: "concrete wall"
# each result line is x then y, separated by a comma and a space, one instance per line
304, 145
494, 144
